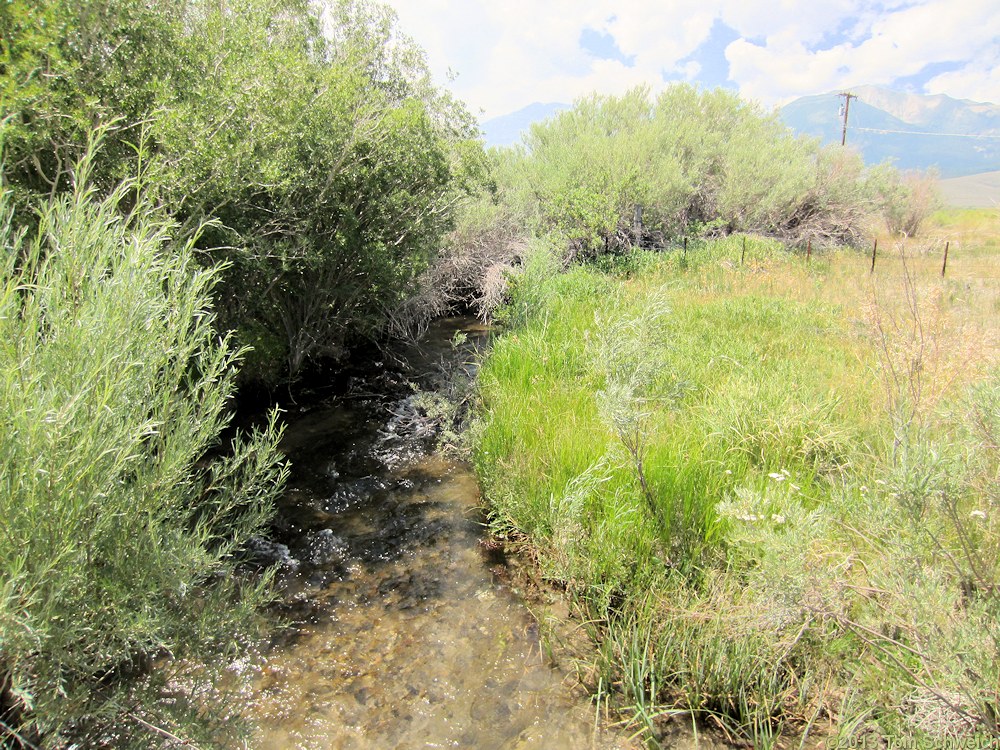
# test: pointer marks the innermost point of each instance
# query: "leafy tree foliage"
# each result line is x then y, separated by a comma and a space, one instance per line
69, 66
311, 131
305, 149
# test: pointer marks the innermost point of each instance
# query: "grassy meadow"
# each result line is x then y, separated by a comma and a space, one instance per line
768, 484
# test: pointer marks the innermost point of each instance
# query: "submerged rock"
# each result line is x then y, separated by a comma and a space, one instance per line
266, 552
321, 548
352, 494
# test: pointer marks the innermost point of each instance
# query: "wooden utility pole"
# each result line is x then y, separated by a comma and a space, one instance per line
845, 110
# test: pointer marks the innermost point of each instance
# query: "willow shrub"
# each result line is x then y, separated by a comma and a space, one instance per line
121, 511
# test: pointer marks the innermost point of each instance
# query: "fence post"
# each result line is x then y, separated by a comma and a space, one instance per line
685, 248
944, 266
743, 257
874, 251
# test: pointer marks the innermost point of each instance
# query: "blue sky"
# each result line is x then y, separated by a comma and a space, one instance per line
510, 53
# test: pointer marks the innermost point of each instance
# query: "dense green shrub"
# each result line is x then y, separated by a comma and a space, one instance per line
311, 131
698, 162
121, 509
329, 158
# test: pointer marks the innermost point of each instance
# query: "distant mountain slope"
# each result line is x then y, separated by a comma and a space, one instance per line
935, 112
972, 191
915, 131
506, 130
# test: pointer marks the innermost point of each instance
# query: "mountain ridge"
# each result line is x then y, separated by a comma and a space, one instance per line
506, 130
933, 110
957, 137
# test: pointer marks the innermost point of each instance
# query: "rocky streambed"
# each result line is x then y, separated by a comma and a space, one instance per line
403, 631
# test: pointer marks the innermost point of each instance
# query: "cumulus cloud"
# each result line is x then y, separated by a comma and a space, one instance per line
510, 54
513, 53
897, 44
790, 21
979, 81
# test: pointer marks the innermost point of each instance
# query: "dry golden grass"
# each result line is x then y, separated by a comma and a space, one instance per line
944, 330
945, 327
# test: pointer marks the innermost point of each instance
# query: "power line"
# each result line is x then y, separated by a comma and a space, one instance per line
919, 132
845, 110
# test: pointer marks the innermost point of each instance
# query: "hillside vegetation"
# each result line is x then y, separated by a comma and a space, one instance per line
613, 173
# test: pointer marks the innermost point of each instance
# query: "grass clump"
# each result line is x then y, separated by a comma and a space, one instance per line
760, 480
119, 591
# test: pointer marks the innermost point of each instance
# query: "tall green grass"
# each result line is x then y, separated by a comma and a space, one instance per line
119, 590
699, 450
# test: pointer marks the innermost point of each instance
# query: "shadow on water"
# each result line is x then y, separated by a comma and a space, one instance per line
403, 634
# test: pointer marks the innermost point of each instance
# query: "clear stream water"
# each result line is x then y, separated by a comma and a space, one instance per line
404, 634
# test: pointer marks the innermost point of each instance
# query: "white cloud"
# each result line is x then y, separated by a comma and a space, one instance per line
660, 35
979, 81
901, 43
771, 74
789, 21
509, 54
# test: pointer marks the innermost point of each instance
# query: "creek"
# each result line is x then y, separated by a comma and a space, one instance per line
403, 632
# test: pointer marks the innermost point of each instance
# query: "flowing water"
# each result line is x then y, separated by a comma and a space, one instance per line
404, 634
